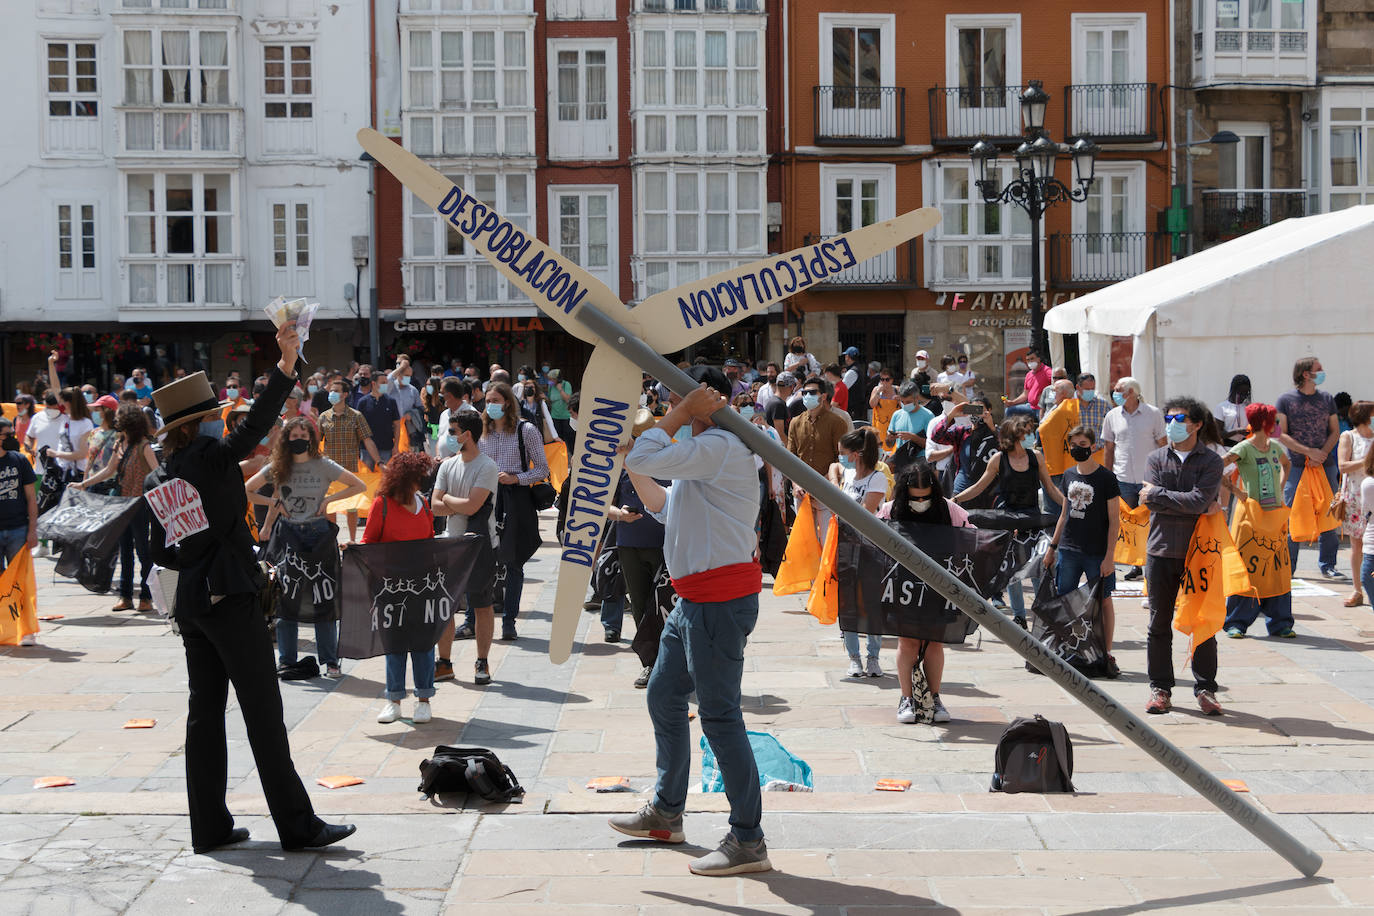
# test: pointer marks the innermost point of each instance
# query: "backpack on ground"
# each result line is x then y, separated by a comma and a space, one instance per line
1033, 755
468, 769
304, 669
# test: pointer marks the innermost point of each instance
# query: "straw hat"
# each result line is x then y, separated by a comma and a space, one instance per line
185, 401
644, 421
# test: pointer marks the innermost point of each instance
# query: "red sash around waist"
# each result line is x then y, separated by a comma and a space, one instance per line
724, 583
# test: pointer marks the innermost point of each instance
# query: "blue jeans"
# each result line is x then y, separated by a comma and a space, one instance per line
1130, 493
326, 631
1327, 541
134, 542
851, 644
613, 613
1367, 575
421, 667
1072, 564
1241, 611
702, 647
12, 540
382, 453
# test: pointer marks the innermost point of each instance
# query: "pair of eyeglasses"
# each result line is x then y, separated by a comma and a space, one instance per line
815, 391
1171, 417
885, 378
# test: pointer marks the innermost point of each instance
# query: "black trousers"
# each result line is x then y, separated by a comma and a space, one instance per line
1163, 577
231, 645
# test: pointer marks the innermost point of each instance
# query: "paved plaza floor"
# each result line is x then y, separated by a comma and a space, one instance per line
1298, 731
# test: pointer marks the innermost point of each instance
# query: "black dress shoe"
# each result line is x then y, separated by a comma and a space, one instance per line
237, 835
612, 635
329, 834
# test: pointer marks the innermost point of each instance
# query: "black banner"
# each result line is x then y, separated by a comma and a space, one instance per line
88, 527
398, 596
308, 576
52, 485
1071, 625
878, 595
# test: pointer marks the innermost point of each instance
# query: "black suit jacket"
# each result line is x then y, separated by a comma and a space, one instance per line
219, 561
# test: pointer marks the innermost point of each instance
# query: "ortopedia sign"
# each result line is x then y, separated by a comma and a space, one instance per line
667, 322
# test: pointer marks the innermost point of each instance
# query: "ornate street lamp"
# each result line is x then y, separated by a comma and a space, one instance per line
1035, 188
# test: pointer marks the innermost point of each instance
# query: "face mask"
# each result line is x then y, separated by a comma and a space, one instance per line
129, 385
496, 411
313, 389
811, 401
544, 369
846, 462
451, 442
909, 408
1319, 378
231, 393
52, 413
1029, 442
9, 444
298, 446
95, 417
381, 388
920, 364
1080, 452
1118, 398
90, 398
919, 505
522, 377
335, 397
1088, 394
263, 440
1032, 365
683, 434
405, 380
429, 389
1177, 431
747, 412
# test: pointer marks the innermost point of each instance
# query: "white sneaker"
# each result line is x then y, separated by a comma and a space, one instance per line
27, 640
941, 714
906, 711
390, 712
856, 668
872, 669
41, 551
422, 713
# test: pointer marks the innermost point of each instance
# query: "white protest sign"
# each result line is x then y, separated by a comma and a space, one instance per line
178, 509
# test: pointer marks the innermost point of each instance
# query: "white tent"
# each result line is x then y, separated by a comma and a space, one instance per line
1254, 305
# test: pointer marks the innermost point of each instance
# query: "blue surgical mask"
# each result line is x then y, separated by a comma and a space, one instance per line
263, 440
1029, 441
129, 385
429, 389
1177, 431
1319, 378
747, 412
909, 408
811, 401
313, 389
451, 442
496, 411
522, 377
405, 380
231, 393
335, 397
90, 398
846, 462
381, 388
1118, 398
683, 434
1087, 394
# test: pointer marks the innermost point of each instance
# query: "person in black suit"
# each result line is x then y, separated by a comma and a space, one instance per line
216, 610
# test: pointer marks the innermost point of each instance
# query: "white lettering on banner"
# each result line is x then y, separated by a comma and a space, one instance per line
178, 508
594, 490
432, 589
803, 268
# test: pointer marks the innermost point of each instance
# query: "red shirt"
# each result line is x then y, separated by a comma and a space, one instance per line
841, 396
1037, 382
388, 520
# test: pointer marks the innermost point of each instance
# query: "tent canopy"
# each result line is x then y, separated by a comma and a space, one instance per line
1252, 305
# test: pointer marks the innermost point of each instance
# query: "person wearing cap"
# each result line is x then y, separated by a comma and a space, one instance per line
216, 610
738, 385
922, 363
102, 443
776, 411
559, 394
856, 383
709, 513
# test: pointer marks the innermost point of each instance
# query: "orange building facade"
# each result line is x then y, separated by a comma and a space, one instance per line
884, 100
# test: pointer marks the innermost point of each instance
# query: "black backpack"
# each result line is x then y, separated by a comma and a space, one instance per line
1033, 755
468, 769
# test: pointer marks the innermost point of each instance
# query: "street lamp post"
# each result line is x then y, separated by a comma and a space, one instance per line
1035, 189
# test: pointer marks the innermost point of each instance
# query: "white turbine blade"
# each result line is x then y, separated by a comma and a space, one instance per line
688, 313
609, 400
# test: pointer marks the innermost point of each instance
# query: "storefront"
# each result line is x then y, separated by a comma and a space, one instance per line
480, 342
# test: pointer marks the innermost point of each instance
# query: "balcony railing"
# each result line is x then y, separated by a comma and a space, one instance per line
1111, 113
701, 6
894, 269
960, 116
860, 115
1228, 213
1080, 260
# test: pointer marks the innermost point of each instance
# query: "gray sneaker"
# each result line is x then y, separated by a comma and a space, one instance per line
906, 711
643, 680
649, 823
941, 714
732, 858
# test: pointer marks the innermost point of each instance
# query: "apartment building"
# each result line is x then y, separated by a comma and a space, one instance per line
181, 163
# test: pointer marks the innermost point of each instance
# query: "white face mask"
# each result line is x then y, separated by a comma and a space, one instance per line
52, 413
919, 505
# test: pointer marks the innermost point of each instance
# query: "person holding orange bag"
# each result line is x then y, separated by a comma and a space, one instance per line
1309, 428
1263, 464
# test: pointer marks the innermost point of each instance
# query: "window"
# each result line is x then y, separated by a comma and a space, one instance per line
1349, 140
705, 215
854, 196
1244, 164
982, 62
1259, 14
579, 123
182, 223
983, 69
474, 6
459, 87
707, 76
291, 258
441, 268
72, 80
1109, 226
175, 4
288, 86
585, 231
581, 9
976, 242
173, 70
857, 96
1110, 96
77, 277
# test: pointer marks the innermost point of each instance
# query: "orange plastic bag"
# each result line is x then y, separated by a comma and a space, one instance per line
18, 600
1211, 562
824, 603
1054, 436
1261, 537
1132, 534
1309, 517
557, 454
802, 557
